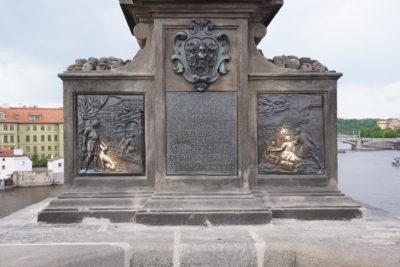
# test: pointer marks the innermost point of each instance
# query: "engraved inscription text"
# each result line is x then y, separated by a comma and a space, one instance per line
201, 134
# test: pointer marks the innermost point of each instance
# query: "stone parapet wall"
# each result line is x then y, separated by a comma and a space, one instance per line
37, 178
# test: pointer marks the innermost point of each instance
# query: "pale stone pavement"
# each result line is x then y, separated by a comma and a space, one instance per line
374, 241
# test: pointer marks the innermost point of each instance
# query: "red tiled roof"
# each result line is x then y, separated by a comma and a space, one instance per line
6, 152
22, 115
9, 153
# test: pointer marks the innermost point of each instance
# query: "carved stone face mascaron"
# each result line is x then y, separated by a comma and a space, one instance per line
200, 54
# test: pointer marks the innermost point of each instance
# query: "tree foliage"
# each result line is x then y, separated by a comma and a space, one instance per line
379, 133
366, 127
350, 126
39, 162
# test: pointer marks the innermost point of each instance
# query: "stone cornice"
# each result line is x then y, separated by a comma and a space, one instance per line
144, 11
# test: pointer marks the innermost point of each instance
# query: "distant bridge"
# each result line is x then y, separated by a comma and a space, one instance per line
358, 143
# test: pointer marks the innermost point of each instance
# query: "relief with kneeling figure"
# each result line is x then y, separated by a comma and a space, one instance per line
290, 134
110, 134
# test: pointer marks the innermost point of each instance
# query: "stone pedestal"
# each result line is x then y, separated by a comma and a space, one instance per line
200, 127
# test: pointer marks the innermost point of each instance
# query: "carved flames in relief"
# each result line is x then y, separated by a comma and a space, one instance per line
290, 134
110, 134
201, 53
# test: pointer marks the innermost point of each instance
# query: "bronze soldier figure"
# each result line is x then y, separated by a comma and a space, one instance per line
91, 143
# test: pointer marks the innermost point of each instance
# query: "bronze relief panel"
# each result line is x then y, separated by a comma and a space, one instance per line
290, 134
110, 134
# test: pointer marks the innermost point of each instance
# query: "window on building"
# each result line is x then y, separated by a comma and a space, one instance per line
4, 159
18, 138
35, 148
27, 128
42, 148
35, 117
49, 138
2, 116
42, 138
27, 139
55, 127
59, 164
34, 138
49, 148
3, 167
28, 149
42, 128
55, 138
55, 148
34, 127
11, 138
12, 127
17, 116
48, 128
5, 139
5, 127
43, 155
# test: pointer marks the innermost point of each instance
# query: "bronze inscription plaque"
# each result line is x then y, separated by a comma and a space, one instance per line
290, 134
110, 134
201, 133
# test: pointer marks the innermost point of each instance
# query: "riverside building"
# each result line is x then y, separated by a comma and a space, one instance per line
33, 129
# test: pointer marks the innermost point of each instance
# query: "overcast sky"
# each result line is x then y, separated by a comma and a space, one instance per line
360, 38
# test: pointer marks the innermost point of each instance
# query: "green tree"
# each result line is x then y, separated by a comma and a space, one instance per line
389, 133
350, 126
39, 162
379, 133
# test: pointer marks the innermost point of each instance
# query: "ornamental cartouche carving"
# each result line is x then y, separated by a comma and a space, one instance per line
200, 54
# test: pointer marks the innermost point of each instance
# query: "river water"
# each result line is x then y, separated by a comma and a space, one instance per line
15, 199
369, 177
366, 176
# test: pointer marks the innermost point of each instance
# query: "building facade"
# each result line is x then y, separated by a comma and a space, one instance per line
33, 130
382, 124
56, 165
393, 124
13, 160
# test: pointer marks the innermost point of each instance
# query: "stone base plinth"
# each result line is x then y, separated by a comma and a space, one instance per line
73, 207
311, 205
198, 209
201, 208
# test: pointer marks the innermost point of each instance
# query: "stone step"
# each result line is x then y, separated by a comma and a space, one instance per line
217, 209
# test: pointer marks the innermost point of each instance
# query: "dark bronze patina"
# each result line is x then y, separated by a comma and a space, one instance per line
110, 134
201, 53
290, 134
